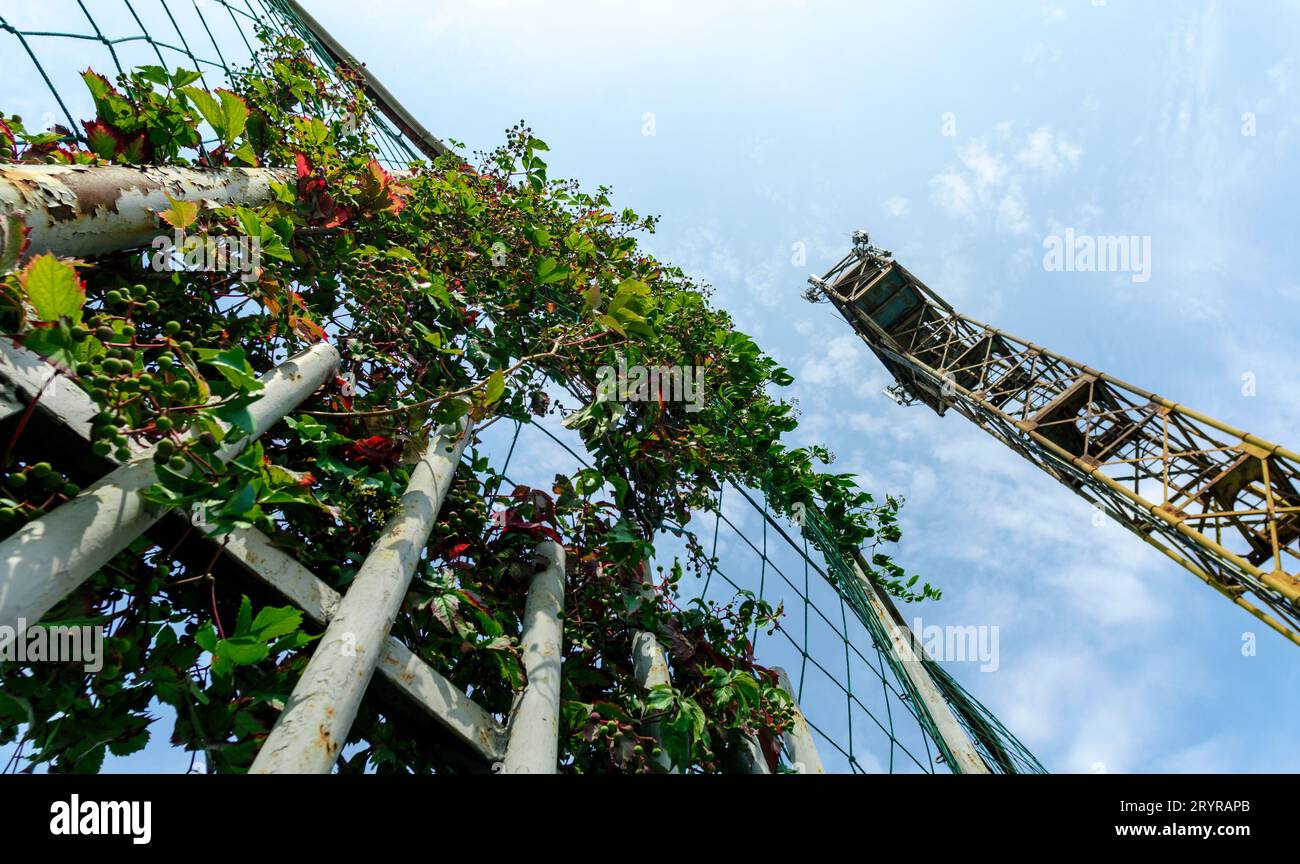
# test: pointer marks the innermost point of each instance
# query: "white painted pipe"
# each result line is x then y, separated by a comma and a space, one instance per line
315, 723
800, 748
651, 670
46, 559
534, 739
83, 210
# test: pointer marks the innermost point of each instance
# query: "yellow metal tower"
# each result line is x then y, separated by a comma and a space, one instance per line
1219, 501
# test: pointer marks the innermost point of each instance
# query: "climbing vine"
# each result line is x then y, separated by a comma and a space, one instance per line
458, 292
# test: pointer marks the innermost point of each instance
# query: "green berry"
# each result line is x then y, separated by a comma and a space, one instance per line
41, 469
80, 334
139, 292
172, 327
179, 389
17, 481
72, 490
84, 370
178, 463
152, 306
104, 333
128, 330
101, 448
122, 453
163, 424
166, 447
207, 439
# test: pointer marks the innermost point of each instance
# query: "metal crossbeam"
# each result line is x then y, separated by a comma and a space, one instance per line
48, 558
82, 211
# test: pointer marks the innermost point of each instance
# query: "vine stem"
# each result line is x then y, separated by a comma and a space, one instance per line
514, 367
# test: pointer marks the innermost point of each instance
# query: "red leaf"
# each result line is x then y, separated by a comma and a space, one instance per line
377, 451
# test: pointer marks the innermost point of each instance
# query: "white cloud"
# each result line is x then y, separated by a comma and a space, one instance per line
1048, 153
996, 170
896, 206
953, 194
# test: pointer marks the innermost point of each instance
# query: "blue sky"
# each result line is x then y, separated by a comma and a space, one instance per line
781, 123
783, 126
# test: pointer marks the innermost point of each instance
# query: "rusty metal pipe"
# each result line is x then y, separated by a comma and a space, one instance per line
83, 210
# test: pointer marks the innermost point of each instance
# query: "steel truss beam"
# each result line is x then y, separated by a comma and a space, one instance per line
1221, 502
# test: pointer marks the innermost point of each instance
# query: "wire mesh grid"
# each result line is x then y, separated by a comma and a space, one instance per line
847, 683
62, 38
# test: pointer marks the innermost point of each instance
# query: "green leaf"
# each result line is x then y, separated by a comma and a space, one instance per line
236, 413
273, 622
245, 617
242, 650
236, 113
226, 113
661, 697
496, 385
548, 271
233, 366
54, 343
181, 214
612, 324
156, 74
53, 289
181, 77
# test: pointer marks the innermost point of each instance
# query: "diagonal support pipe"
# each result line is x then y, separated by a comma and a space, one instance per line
29, 378
48, 558
310, 733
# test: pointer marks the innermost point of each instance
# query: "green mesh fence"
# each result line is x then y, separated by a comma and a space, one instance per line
861, 706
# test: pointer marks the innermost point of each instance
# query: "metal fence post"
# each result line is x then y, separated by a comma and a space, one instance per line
950, 730
314, 725
534, 737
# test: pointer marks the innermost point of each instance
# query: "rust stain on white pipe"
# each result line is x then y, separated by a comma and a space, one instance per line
85, 210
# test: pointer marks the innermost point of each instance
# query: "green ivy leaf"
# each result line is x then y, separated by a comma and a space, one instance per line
496, 385
52, 287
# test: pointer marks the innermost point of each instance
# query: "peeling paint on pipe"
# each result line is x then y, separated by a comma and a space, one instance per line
48, 558
314, 725
651, 670
534, 742
84, 210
